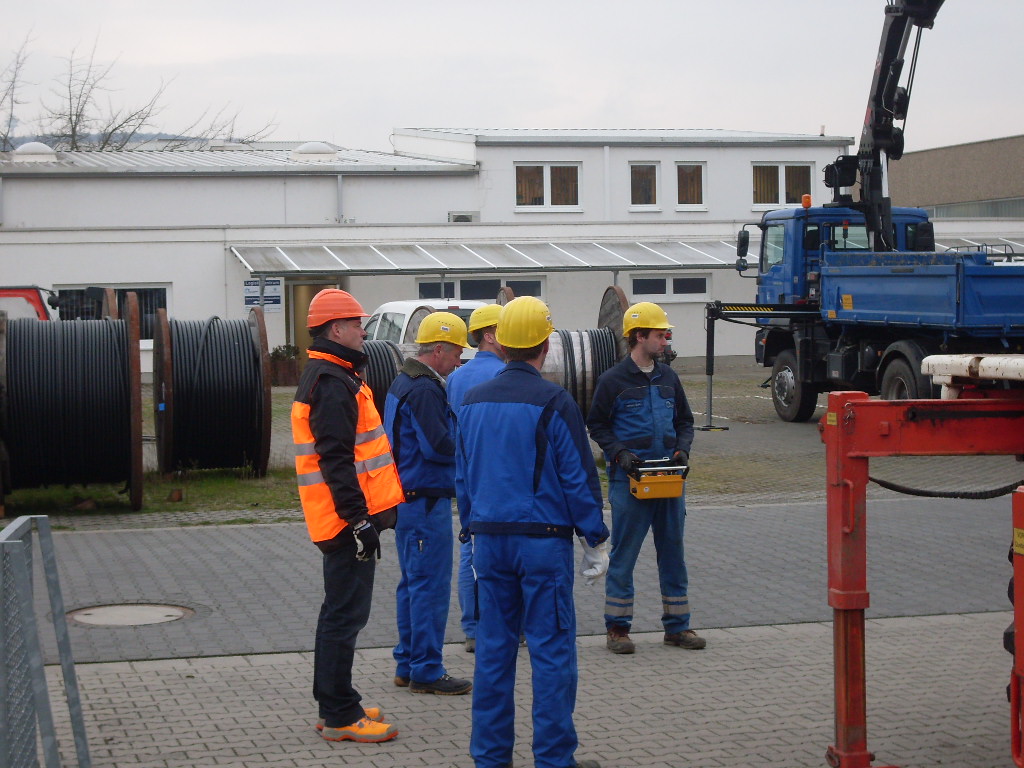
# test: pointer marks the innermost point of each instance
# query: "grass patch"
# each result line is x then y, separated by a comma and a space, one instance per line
200, 490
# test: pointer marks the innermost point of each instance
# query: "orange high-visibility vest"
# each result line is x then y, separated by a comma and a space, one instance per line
375, 466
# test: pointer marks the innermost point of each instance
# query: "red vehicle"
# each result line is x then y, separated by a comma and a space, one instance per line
20, 301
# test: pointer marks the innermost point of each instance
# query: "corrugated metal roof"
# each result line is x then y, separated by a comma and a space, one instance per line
480, 257
223, 161
626, 136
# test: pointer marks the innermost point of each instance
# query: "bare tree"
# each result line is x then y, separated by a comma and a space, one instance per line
84, 116
10, 83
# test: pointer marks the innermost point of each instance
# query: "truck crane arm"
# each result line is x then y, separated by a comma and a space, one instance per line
880, 139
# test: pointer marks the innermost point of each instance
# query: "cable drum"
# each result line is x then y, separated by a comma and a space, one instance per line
576, 359
212, 393
73, 402
385, 360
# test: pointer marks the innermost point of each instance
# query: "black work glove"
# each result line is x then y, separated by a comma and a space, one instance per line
681, 458
384, 520
628, 460
367, 541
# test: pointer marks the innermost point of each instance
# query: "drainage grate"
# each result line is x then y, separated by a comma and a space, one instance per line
128, 615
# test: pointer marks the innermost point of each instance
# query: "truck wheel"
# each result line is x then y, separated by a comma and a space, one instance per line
899, 382
794, 400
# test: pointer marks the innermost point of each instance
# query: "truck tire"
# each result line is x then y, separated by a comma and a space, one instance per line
794, 400
900, 382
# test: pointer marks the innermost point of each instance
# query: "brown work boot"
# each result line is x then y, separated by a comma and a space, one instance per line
687, 639
618, 640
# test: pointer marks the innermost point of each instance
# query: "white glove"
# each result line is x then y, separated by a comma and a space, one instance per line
595, 560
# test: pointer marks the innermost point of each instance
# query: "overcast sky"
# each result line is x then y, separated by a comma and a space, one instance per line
349, 72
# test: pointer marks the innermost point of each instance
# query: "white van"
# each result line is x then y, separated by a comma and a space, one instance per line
398, 321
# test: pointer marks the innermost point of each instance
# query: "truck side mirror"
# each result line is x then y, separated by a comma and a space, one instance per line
742, 245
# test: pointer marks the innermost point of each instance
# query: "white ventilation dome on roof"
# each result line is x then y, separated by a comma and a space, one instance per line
314, 150
34, 152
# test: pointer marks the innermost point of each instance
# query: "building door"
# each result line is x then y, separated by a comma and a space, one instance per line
301, 295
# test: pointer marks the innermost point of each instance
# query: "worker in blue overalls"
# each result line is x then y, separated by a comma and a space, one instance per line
640, 412
421, 428
526, 484
489, 359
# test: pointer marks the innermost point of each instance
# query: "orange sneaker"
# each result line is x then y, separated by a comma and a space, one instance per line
374, 713
363, 730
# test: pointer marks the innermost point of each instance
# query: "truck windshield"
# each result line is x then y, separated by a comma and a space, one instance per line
853, 237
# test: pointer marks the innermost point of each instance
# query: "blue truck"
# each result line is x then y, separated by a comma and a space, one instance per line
834, 313
853, 294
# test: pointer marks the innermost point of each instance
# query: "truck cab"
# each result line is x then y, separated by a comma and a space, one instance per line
794, 241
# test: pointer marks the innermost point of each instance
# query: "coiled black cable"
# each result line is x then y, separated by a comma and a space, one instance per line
569, 363
68, 402
385, 360
218, 415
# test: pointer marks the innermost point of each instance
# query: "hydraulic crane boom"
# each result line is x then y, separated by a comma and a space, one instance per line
880, 139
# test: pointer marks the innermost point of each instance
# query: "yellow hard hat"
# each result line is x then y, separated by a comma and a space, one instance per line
442, 326
524, 322
484, 317
646, 314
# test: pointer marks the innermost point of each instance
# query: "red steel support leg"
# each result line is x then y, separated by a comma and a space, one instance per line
847, 580
1017, 674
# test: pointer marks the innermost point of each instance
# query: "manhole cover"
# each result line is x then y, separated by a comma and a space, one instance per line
128, 615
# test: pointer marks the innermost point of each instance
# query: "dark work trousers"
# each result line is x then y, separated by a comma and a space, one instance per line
348, 589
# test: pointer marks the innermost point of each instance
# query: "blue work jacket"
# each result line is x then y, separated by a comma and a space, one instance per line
525, 465
421, 427
483, 367
647, 415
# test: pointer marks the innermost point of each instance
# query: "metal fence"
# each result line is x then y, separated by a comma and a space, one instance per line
24, 699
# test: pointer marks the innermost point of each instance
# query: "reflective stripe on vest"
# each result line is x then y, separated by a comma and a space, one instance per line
374, 464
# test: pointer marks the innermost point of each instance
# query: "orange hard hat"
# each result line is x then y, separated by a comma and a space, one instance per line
332, 304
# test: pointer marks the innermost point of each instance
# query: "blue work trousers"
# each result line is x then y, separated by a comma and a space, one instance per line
631, 520
424, 539
348, 589
524, 580
467, 589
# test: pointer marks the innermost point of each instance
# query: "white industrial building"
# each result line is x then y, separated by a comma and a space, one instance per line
559, 213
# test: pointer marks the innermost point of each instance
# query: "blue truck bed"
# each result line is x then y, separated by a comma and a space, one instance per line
941, 291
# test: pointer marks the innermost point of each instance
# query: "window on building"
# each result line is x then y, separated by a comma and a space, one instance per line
649, 286
691, 287
87, 304
480, 289
690, 184
548, 185
524, 287
781, 184
437, 290
682, 286
643, 184
529, 185
798, 183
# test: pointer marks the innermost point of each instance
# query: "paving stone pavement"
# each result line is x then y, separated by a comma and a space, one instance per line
757, 696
